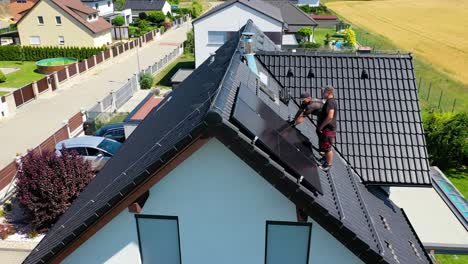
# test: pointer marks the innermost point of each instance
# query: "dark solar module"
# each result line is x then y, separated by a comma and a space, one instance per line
287, 144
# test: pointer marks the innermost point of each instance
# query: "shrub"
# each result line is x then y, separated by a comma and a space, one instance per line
169, 16
189, 43
118, 21
162, 29
2, 76
167, 24
196, 9
146, 81
29, 53
306, 9
305, 33
7, 207
119, 4
181, 11
47, 184
32, 234
350, 37
446, 139
156, 16
173, 2
142, 16
134, 31
327, 39
309, 45
6, 230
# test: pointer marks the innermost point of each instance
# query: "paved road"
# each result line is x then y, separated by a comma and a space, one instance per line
36, 121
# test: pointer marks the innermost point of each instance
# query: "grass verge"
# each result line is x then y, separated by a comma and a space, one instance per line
452, 259
163, 78
26, 73
112, 119
3, 93
459, 178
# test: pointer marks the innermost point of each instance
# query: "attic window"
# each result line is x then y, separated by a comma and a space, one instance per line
414, 249
384, 222
94, 16
90, 17
364, 74
395, 257
290, 73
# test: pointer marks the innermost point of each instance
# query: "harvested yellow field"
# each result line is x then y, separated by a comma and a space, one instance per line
433, 29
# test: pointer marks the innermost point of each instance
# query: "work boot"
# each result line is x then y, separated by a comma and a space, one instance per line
325, 166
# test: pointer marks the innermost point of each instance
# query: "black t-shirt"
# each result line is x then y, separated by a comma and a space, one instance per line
329, 105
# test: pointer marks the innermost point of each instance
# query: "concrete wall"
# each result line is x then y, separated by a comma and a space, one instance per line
103, 7
222, 208
75, 33
103, 38
231, 18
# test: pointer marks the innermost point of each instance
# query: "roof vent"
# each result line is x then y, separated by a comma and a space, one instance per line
212, 57
290, 73
310, 74
364, 75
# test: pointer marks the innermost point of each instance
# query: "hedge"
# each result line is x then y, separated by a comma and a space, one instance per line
28, 53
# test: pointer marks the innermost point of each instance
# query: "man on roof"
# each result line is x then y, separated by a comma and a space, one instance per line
326, 127
326, 122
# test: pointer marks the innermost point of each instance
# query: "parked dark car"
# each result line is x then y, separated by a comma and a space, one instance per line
112, 131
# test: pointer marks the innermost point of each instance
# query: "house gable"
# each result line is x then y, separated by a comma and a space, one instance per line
229, 202
73, 31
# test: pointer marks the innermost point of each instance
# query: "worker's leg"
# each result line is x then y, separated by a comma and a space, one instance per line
329, 157
299, 120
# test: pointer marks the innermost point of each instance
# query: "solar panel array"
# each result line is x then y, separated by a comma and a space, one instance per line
287, 144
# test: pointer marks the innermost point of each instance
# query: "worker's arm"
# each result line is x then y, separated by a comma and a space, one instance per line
327, 120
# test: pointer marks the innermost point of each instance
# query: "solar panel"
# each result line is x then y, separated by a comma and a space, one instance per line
275, 136
445, 188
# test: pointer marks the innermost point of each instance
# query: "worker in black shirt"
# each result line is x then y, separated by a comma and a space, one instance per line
326, 127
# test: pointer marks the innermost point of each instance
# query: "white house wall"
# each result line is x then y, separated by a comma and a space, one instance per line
222, 206
231, 18
309, 2
166, 8
103, 7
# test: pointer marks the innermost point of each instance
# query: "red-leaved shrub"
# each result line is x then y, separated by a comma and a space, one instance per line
47, 184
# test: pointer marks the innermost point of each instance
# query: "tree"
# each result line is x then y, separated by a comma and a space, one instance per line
47, 184
118, 21
119, 4
196, 8
350, 37
156, 16
305, 33
446, 138
189, 43
146, 81
142, 16
2, 77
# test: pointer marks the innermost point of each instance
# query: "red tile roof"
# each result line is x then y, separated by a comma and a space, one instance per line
73, 8
17, 9
324, 17
151, 103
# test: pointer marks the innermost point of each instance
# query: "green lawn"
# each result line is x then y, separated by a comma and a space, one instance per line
163, 78
452, 259
320, 33
3, 93
459, 179
25, 75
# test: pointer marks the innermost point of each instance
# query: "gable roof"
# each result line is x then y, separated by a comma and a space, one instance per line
73, 8
350, 211
145, 4
293, 16
258, 5
380, 129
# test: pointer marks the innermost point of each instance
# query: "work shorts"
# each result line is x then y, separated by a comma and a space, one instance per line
326, 140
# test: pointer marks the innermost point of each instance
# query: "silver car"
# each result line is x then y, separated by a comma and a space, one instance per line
97, 150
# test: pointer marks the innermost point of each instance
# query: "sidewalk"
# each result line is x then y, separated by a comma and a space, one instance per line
36, 121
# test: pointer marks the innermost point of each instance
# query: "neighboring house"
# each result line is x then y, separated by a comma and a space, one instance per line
19, 7
63, 23
307, 2
145, 6
213, 29
325, 21
105, 7
207, 177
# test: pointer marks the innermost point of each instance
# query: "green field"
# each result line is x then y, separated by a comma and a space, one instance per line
3, 93
23, 76
163, 78
452, 259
